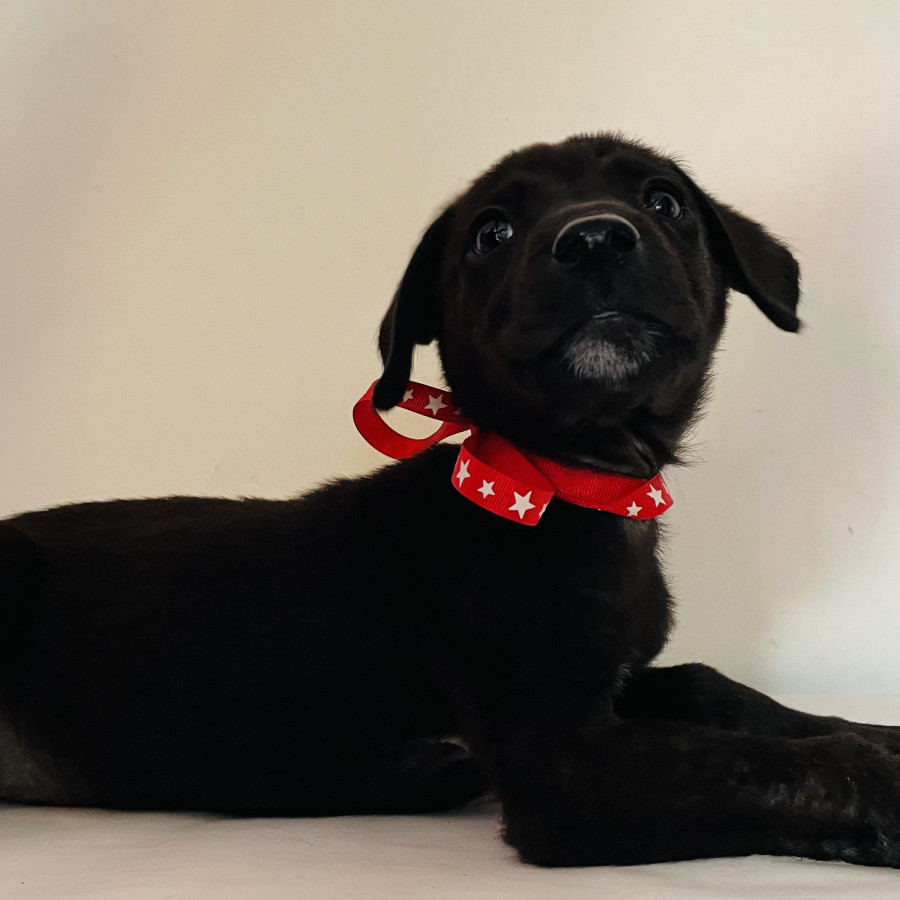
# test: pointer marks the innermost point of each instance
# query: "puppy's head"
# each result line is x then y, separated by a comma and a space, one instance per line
577, 292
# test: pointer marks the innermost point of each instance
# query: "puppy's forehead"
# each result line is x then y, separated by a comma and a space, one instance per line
573, 169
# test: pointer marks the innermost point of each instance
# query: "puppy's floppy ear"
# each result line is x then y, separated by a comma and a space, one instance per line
414, 316
755, 263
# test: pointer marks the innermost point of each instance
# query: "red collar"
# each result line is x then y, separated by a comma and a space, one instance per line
497, 475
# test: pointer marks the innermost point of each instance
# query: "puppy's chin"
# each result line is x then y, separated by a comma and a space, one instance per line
613, 349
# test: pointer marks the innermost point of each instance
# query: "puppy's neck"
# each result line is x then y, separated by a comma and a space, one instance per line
615, 450
636, 439
638, 443
634, 450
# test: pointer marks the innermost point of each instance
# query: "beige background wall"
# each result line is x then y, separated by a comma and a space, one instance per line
206, 206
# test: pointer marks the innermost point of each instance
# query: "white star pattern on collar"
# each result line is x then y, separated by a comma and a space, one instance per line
408, 396
655, 494
634, 509
523, 504
435, 404
487, 489
462, 473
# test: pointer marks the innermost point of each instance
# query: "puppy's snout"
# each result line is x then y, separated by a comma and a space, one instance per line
587, 242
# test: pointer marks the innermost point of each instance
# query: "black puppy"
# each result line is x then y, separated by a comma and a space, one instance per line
385, 645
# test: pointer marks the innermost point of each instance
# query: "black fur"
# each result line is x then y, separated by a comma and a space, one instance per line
384, 645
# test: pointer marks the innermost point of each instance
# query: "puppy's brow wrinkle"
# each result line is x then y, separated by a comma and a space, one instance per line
512, 194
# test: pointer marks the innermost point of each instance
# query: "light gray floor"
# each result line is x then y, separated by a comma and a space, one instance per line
63, 854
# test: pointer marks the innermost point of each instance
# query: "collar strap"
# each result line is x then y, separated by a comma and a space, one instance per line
497, 475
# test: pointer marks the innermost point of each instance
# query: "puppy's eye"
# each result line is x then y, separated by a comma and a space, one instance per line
663, 203
491, 234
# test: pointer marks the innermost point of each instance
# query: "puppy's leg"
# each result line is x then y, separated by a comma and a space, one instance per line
699, 694
651, 791
421, 777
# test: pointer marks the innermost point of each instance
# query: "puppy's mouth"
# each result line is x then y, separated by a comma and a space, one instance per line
625, 321
613, 347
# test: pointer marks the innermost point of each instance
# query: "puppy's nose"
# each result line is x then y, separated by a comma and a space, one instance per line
586, 243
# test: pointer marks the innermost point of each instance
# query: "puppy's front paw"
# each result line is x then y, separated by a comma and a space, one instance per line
862, 790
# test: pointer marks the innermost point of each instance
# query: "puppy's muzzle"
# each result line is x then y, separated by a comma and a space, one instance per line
589, 242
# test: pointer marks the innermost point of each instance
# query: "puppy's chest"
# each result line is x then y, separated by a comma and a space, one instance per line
587, 581
608, 590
